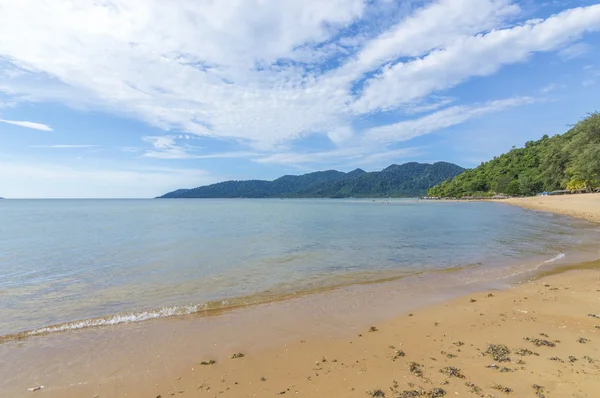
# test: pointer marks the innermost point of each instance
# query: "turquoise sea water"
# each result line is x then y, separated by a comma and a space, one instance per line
103, 262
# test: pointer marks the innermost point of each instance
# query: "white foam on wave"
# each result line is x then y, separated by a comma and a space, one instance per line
117, 319
555, 258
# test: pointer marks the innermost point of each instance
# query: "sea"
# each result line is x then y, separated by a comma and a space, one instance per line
75, 264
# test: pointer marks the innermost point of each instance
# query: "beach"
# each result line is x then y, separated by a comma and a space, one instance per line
585, 206
536, 334
541, 338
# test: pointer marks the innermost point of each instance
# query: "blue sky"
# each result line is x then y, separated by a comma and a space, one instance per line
134, 98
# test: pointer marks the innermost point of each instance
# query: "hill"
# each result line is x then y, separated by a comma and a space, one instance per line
568, 161
409, 179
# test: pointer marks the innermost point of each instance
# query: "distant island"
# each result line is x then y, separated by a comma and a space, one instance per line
405, 180
569, 162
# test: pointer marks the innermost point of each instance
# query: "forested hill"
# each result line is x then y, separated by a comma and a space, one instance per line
568, 161
409, 179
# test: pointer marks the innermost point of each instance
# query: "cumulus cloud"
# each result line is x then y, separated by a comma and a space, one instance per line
266, 73
26, 124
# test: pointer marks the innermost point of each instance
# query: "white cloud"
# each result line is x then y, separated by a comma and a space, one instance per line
29, 125
166, 147
470, 56
43, 180
407, 130
575, 50
263, 72
432, 27
348, 157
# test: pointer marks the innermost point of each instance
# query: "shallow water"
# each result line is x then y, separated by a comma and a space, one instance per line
120, 261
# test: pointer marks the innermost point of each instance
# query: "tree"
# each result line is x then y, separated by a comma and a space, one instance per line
547, 164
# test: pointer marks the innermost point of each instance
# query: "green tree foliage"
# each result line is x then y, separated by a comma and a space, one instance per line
570, 160
409, 179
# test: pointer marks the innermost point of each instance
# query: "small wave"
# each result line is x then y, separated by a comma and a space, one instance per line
222, 305
117, 319
146, 315
555, 258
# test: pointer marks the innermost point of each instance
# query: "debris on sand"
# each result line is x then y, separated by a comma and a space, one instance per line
472, 300
409, 394
499, 352
502, 388
415, 368
524, 351
473, 388
572, 358
594, 316
451, 371
209, 362
398, 354
588, 359
35, 388
557, 359
237, 355
539, 390
436, 393
373, 329
459, 343
433, 393
582, 340
540, 342
376, 393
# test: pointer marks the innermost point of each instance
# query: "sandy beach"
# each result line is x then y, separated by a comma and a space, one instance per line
538, 338
586, 206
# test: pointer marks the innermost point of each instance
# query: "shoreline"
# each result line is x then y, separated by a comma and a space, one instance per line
419, 349
335, 354
583, 206
491, 277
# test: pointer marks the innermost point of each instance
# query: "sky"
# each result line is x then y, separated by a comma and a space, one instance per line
135, 98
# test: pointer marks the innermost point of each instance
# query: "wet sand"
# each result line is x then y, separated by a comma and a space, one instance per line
549, 325
586, 206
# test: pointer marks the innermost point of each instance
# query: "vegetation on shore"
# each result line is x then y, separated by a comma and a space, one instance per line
409, 179
569, 161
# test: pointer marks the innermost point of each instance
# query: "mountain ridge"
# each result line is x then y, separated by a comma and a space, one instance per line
405, 180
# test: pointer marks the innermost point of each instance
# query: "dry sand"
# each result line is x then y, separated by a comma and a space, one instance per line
586, 206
